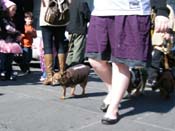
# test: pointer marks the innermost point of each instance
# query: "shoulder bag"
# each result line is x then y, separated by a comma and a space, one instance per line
57, 12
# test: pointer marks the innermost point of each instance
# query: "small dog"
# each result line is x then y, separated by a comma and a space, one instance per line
137, 82
73, 76
165, 84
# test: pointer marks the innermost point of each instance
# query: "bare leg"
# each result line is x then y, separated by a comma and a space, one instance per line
120, 82
104, 71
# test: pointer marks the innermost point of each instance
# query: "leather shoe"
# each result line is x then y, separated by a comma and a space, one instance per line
104, 107
108, 121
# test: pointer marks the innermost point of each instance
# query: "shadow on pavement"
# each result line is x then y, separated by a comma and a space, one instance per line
149, 102
32, 79
94, 94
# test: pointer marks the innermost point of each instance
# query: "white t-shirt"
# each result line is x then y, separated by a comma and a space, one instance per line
121, 7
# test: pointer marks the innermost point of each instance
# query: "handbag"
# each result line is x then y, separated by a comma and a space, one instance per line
57, 12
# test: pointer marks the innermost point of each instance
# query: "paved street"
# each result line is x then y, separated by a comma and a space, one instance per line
27, 105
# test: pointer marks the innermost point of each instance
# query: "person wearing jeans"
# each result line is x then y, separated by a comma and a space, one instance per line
53, 36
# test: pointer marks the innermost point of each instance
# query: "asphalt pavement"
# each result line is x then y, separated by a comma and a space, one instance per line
27, 105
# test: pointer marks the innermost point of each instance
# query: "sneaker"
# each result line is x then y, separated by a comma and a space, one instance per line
12, 78
3, 76
15, 73
43, 77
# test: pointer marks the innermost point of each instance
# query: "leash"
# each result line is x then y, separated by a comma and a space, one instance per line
44, 4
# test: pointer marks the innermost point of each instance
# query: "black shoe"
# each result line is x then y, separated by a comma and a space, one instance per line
104, 107
108, 121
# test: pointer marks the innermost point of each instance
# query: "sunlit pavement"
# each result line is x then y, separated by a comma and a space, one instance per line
27, 105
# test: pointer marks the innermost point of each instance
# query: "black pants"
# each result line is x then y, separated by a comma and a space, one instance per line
6, 64
2, 62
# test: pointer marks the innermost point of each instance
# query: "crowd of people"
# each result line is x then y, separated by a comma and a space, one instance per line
119, 31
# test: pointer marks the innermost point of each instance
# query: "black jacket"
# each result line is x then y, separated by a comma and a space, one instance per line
79, 17
8, 31
160, 7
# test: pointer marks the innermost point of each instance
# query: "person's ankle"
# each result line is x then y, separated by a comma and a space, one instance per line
111, 113
107, 99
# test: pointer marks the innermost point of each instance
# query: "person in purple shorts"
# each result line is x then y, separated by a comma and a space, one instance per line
120, 31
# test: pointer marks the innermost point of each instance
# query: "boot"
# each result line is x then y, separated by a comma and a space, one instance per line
61, 62
48, 63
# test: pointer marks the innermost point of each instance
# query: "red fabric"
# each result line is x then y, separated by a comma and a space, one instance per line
30, 33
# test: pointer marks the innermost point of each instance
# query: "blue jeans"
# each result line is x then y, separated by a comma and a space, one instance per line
27, 57
53, 37
27, 52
